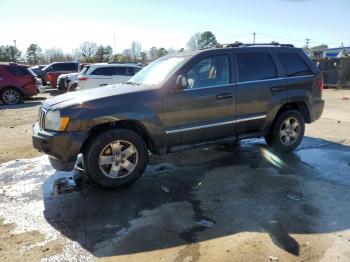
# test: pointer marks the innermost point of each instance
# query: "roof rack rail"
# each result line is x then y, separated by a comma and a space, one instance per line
240, 44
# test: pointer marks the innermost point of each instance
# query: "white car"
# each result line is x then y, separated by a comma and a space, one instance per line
67, 82
105, 74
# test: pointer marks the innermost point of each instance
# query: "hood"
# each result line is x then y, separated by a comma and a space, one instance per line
83, 96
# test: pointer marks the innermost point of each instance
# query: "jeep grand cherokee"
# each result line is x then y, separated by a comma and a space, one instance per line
179, 101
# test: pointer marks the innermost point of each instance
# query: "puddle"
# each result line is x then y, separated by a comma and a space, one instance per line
67, 185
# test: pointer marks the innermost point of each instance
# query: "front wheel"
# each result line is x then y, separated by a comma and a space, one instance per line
116, 158
287, 131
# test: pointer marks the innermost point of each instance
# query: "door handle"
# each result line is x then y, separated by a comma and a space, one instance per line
277, 88
223, 96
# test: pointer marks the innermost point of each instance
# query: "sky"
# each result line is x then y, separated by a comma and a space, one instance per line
65, 24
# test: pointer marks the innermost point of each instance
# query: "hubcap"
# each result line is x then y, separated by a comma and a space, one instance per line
118, 159
289, 131
10, 97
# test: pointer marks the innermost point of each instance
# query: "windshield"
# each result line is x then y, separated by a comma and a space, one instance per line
158, 71
83, 71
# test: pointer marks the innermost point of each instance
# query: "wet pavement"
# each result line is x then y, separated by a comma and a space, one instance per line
184, 205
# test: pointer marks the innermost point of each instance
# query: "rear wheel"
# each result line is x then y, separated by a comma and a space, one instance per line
116, 158
11, 96
287, 131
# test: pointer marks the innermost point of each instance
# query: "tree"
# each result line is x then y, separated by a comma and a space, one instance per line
181, 50
207, 39
318, 47
193, 43
33, 54
103, 54
143, 56
54, 55
152, 53
87, 50
135, 50
127, 55
9, 53
161, 52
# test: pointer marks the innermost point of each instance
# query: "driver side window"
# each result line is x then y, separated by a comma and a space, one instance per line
208, 72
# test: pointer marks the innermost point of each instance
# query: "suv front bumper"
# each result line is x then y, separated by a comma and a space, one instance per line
63, 147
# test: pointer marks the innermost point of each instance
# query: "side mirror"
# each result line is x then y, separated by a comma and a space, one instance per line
181, 82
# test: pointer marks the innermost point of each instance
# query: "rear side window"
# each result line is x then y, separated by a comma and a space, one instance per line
256, 66
121, 71
294, 65
19, 70
103, 71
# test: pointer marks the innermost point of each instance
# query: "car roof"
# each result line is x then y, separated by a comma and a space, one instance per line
237, 47
11, 64
114, 65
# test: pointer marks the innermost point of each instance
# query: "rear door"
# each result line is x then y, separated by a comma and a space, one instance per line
258, 85
100, 76
205, 110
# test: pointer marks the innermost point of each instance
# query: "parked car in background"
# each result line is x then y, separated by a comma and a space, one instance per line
182, 101
38, 70
54, 70
17, 82
67, 82
102, 74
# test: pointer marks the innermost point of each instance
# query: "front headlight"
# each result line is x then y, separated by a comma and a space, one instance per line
54, 121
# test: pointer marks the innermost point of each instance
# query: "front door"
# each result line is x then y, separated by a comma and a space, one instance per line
205, 110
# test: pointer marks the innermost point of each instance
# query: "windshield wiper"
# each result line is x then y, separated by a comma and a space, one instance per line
133, 83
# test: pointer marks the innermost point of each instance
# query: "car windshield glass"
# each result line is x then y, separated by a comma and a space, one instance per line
158, 71
83, 71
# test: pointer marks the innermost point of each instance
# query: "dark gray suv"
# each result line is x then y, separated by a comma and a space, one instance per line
179, 101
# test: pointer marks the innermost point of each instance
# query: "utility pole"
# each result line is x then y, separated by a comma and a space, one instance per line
254, 34
15, 43
307, 42
115, 45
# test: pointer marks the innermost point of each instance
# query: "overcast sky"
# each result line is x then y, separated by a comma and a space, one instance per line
66, 23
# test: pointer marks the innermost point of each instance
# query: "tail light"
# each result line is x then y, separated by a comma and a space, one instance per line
82, 78
319, 83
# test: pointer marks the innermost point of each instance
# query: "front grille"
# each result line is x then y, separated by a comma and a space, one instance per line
41, 120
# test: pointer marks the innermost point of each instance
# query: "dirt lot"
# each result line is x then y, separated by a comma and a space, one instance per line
211, 204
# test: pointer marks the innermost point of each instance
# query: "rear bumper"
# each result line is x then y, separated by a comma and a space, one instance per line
316, 109
62, 146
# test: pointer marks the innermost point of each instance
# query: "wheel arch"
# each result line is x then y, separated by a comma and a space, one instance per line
297, 105
132, 125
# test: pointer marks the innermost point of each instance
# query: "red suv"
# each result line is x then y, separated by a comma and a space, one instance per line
16, 82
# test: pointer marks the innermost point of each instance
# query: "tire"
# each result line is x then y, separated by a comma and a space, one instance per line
73, 87
284, 139
128, 167
11, 96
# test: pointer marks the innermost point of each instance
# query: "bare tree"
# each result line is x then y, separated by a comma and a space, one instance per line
54, 55
87, 50
152, 53
194, 42
135, 50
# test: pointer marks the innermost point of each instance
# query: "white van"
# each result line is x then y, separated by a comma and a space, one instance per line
102, 74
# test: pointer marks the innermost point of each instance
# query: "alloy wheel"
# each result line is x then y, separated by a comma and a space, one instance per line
118, 159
